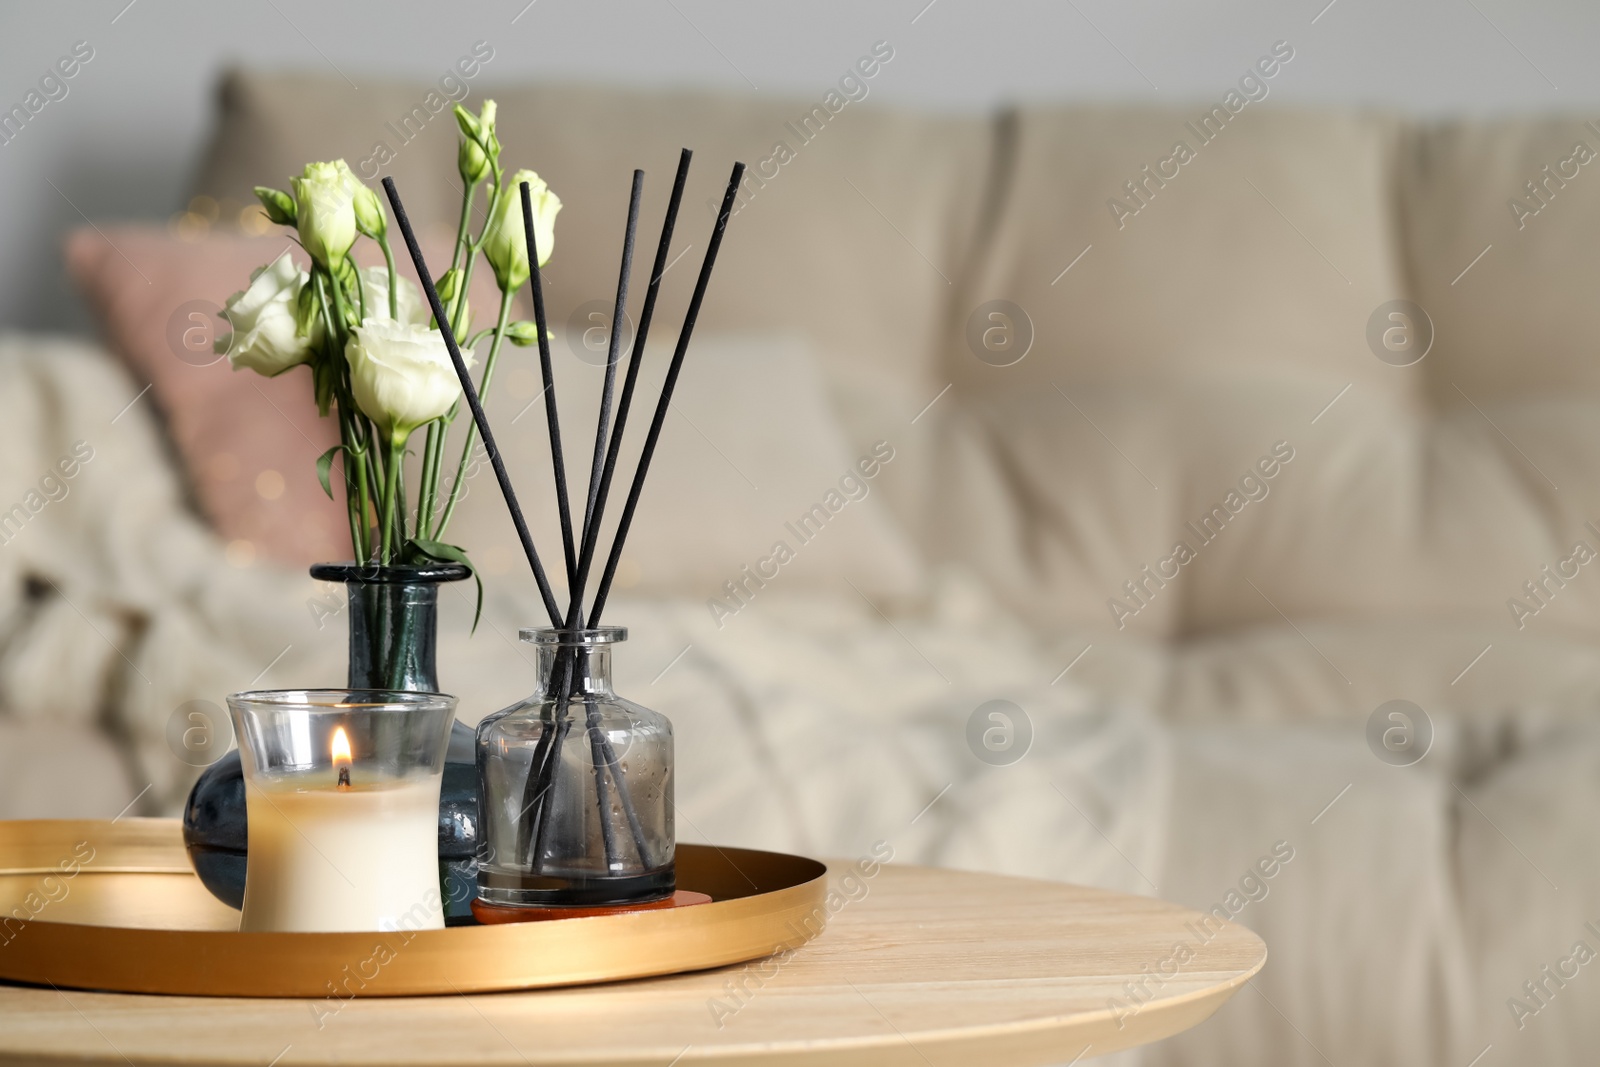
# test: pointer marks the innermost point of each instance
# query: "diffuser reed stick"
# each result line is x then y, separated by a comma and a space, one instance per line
646, 317
552, 418
654, 434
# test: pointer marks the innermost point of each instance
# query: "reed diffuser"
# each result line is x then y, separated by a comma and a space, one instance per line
580, 817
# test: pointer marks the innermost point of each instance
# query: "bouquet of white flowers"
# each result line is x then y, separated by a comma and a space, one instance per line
378, 361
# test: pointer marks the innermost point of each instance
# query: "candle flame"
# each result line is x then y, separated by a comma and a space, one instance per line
340, 750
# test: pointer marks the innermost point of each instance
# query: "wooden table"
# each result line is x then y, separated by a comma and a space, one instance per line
918, 967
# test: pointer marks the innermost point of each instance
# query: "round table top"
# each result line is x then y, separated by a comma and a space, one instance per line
917, 966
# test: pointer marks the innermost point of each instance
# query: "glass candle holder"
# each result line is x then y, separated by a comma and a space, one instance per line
575, 786
342, 795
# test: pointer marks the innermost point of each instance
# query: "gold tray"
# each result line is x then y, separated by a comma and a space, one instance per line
115, 906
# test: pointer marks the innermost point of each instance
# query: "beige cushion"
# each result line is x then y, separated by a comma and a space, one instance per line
1523, 319
1186, 342
1070, 472
1531, 892
1263, 255
1367, 960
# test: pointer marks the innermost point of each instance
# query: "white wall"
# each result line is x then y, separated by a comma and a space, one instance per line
124, 140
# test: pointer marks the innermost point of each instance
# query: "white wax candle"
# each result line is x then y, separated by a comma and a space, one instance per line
326, 859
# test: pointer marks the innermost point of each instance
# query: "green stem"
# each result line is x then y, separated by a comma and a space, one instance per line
356, 505
341, 312
391, 493
458, 314
394, 281
352, 498
461, 227
463, 246
358, 456
375, 471
472, 428
428, 487
402, 527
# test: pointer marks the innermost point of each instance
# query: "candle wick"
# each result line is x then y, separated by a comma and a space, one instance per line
344, 777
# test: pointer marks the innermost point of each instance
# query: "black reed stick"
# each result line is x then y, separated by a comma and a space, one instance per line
646, 316
604, 589
471, 393
532, 794
536, 285
591, 512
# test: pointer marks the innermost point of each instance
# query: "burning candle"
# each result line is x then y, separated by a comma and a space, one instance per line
342, 797
340, 750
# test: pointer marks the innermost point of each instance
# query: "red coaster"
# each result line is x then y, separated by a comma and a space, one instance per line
494, 914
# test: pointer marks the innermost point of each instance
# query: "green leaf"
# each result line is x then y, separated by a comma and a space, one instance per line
325, 467
523, 334
418, 547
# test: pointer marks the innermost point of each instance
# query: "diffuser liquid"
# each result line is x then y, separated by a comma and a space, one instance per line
575, 888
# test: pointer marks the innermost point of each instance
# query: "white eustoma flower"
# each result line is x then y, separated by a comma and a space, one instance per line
506, 245
401, 375
375, 284
265, 338
324, 198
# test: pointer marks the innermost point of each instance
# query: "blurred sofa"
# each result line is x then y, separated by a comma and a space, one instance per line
1156, 480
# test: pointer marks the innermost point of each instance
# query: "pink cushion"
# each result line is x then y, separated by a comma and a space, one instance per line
248, 444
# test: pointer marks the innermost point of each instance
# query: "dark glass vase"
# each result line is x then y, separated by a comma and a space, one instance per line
393, 621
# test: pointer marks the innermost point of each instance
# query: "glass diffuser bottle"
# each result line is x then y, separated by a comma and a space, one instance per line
575, 786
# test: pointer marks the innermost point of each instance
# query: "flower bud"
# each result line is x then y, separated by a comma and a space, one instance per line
449, 287
370, 218
325, 211
279, 204
523, 334
471, 163
506, 245
480, 145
